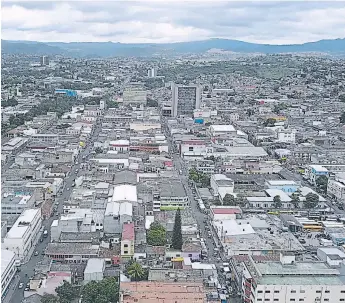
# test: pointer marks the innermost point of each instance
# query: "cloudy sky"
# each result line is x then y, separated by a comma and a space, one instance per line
171, 21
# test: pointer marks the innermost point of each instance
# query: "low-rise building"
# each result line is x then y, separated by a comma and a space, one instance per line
94, 270
127, 240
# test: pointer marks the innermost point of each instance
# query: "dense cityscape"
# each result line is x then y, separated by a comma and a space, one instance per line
199, 178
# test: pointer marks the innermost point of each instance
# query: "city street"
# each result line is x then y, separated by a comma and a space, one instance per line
27, 270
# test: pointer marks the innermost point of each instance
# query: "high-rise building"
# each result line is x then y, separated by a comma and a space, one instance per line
152, 73
185, 99
44, 61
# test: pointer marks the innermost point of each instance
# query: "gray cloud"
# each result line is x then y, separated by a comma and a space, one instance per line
171, 21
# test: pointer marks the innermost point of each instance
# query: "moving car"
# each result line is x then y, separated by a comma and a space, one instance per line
21, 285
36, 253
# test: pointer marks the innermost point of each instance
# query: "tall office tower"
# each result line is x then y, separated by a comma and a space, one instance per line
44, 60
152, 73
185, 99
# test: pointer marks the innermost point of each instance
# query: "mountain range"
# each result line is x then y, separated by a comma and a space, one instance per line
113, 49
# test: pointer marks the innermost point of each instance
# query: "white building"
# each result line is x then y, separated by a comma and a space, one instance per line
221, 185
220, 130
193, 146
291, 281
336, 187
313, 172
286, 136
94, 270
119, 145
135, 95
152, 73
8, 268
23, 234
185, 99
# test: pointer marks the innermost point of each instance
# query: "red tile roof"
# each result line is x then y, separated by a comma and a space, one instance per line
128, 231
226, 211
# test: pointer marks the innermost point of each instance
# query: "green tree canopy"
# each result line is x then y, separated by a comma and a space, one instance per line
105, 291
66, 292
156, 235
229, 200
342, 118
321, 183
295, 200
48, 298
177, 241
270, 122
136, 272
277, 201
311, 200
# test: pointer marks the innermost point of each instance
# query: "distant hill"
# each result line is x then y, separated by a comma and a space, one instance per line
110, 49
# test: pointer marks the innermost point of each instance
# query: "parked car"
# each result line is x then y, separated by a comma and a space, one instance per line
21, 285
36, 253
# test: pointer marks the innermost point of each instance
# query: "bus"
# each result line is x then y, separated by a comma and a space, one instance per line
313, 226
201, 205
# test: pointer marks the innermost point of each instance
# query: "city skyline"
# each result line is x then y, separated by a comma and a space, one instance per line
157, 22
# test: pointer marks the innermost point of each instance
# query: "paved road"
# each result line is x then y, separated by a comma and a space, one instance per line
28, 269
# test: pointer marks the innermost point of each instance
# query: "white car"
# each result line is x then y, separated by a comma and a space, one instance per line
21, 285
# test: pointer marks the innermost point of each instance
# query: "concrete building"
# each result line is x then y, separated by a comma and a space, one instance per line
336, 187
284, 185
8, 269
23, 234
127, 240
94, 270
291, 281
44, 61
286, 136
134, 95
171, 195
221, 130
185, 99
221, 185
116, 214
73, 252
312, 172
152, 72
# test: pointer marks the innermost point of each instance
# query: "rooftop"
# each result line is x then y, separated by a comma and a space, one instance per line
119, 209
128, 231
22, 224
125, 192
72, 248
148, 292
222, 128
94, 265
6, 258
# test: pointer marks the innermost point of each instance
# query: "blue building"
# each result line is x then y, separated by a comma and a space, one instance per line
284, 185
66, 92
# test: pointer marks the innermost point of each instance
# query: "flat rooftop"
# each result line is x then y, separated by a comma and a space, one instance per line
172, 188
301, 273
6, 258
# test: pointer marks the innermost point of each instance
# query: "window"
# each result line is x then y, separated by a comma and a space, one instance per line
190, 148
342, 300
276, 291
267, 291
125, 252
343, 291
318, 291
302, 291
293, 291
125, 245
267, 299
327, 291
260, 291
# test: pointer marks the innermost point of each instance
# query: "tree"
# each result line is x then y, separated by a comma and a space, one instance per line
48, 298
177, 241
277, 202
342, 118
229, 200
295, 200
156, 235
321, 183
98, 150
136, 272
311, 200
194, 175
105, 291
204, 180
66, 292
270, 122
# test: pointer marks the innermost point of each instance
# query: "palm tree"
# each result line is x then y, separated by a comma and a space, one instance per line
136, 271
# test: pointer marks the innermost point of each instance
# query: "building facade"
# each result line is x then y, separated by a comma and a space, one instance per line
185, 99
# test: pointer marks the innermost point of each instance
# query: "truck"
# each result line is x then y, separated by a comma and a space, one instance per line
45, 233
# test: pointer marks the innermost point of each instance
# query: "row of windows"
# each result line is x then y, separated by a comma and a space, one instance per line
295, 291
295, 300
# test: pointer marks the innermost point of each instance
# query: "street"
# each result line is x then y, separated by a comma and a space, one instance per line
27, 270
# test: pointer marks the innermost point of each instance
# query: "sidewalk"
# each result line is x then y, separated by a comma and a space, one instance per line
33, 247
11, 289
